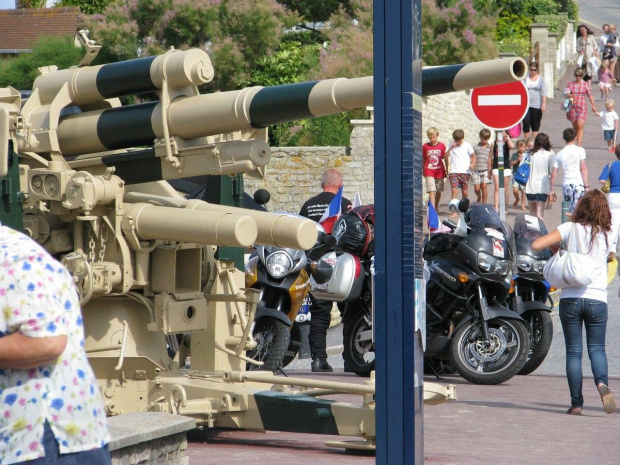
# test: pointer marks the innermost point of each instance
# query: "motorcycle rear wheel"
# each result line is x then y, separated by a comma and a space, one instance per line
540, 328
272, 337
359, 356
503, 359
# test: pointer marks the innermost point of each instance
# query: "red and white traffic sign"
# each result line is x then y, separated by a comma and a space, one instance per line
501, 106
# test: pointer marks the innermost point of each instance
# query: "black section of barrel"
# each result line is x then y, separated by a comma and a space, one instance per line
279, 104
135, 167
439, 80
129, 126
126, 78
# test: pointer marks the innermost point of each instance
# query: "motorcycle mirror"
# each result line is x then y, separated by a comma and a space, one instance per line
262, 196
453, 206
464, 205
321, 272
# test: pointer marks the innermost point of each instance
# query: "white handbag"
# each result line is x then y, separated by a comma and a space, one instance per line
567, 268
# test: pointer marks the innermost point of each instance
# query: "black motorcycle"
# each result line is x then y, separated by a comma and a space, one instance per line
468, 322
530, 293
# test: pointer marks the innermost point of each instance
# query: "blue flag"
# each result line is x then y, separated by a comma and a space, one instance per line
332, 212
432, 218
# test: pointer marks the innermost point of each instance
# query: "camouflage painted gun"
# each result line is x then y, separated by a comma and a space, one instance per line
86, 177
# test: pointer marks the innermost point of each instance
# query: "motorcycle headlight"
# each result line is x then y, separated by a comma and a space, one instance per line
279, 264
525, 263
488, 263
539, 266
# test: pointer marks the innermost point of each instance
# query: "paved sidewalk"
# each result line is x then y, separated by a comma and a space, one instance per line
522, 421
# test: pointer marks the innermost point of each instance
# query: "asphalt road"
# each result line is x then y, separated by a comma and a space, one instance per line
599, 12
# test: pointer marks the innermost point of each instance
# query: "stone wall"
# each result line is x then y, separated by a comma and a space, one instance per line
294, 173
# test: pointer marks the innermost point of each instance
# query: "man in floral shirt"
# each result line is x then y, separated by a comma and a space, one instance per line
50, 405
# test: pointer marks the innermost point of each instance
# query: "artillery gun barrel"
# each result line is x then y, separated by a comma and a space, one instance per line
279, 229
95, 83
210, 114
221, 228
191, 117
451, 78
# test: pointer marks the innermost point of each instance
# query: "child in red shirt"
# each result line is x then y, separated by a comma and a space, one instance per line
434, 170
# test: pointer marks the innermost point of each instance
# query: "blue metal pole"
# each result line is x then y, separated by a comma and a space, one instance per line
399, 210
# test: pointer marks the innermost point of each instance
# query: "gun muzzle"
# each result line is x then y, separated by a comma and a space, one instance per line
180, 68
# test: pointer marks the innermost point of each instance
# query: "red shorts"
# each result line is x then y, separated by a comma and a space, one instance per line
459, 180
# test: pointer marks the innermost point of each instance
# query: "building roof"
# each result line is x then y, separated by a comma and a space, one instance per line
22, 28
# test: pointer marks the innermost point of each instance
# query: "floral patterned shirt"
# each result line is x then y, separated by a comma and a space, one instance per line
38, 299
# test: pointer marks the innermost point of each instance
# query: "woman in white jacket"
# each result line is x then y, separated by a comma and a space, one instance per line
538, 185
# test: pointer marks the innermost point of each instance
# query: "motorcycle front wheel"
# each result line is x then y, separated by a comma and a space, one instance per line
496, 361
540, 328
272, 337
359, 354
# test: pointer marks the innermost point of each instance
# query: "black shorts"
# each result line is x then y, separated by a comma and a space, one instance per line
532, 119
537, 197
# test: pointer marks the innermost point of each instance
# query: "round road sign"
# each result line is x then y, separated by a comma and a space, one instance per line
501, 106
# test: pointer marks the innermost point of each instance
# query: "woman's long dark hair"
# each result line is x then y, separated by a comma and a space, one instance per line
541, 142
593, 210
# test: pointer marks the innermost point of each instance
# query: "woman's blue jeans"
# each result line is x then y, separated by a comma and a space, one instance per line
574, 313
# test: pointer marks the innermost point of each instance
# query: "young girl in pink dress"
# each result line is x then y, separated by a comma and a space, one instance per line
605, 78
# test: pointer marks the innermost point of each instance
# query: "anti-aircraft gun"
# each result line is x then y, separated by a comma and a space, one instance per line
86, 177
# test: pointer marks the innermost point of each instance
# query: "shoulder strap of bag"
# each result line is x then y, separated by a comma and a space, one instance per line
573, 237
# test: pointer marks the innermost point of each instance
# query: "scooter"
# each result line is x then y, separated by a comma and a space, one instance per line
529, 295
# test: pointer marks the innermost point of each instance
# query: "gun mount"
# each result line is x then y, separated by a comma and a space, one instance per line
87, 178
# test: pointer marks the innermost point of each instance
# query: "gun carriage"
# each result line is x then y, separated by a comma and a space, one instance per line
87, 177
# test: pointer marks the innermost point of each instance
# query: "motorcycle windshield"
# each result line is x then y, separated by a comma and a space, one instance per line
528, 228
482, 216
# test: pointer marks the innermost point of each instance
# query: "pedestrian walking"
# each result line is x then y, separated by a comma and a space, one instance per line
587, 48
605, 80
434, 171
589, 229
577, 91
538, 186
537, 90
611, 172
515, 161
507, 141
610, 124
610, 54
481, 173
461, 161
572, 160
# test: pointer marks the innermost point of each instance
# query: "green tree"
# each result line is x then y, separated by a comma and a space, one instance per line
88, 7
21, 72
316, 10
236, 33
456, 33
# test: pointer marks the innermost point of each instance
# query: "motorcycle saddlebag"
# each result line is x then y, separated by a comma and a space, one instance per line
346, 282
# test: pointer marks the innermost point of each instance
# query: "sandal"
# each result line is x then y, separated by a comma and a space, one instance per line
609, 403
574, 411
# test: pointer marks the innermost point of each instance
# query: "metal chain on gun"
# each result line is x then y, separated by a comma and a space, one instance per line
91, 244
104, 241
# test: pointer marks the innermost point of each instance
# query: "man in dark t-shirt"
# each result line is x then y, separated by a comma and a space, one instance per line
321, 309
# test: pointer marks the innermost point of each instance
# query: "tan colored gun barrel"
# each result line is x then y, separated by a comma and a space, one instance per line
277, 229
199, 227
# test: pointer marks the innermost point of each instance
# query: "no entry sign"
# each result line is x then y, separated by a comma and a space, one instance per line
501, 106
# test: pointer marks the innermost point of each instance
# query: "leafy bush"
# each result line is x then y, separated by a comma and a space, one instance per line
519, 46
557, 23
21, 72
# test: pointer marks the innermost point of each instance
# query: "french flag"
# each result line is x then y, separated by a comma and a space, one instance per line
332, 212
432, 218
